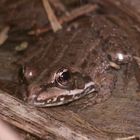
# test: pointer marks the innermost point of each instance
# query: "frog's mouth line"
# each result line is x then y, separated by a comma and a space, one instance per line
63, 96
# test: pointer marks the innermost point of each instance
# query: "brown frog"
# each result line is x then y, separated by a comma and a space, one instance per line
74, 63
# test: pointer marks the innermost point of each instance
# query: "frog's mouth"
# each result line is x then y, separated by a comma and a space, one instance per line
61, 92
55, 96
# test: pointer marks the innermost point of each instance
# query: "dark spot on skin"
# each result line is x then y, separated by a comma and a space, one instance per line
78, 95
109, 57
87, 79
72, 62
21, 76
93, 64
84, 64
71, 54
94, 52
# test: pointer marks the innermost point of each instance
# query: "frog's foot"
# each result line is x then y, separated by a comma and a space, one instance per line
107, 84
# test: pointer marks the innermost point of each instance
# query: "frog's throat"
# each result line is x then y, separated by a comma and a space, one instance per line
66, 96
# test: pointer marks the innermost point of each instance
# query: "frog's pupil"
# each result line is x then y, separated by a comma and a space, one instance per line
65, 76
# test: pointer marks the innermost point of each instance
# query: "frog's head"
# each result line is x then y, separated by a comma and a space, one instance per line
66, 86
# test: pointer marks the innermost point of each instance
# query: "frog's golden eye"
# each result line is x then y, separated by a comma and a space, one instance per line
62, 77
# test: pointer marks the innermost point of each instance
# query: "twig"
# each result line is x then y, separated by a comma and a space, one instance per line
72, 15
59, 5
51, 16
78, 12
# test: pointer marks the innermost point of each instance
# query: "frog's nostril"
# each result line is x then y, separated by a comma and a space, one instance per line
34, 90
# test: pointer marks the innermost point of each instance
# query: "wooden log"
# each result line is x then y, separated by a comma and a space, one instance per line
47, 123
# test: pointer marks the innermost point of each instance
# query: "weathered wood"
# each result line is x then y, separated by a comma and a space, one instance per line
47, 124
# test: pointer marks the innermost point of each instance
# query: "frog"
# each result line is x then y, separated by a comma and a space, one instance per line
72, 65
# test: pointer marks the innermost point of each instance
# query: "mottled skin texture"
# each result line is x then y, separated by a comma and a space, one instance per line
79, 50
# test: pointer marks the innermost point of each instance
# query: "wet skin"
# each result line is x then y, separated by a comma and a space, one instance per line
72, 65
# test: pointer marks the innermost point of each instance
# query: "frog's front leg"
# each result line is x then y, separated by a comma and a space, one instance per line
106, 83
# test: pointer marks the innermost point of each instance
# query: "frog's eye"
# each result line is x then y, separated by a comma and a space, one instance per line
62, 77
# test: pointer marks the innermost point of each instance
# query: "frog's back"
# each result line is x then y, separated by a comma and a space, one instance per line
76, 48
